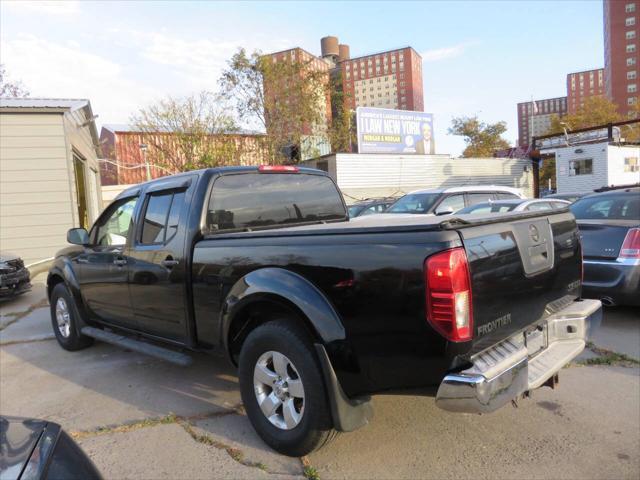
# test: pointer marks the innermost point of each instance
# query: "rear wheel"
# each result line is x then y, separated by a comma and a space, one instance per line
64, 319
283, 389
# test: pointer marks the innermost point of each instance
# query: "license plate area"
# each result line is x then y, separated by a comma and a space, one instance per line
536, 340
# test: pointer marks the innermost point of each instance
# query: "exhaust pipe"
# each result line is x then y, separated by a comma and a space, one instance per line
607, 302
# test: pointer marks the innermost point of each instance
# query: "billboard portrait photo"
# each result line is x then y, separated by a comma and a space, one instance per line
382, 130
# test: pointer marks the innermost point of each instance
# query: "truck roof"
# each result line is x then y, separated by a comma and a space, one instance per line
211, 172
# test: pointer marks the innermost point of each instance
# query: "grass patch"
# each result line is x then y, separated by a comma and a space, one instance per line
235, 453
126, 427
311, 473
308, 470
608, 357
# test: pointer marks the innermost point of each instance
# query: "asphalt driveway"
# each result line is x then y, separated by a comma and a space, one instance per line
138, 417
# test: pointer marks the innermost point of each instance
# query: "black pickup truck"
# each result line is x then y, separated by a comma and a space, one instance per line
318, 311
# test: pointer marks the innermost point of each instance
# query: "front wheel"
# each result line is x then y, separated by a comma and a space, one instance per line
283, 389
64, 319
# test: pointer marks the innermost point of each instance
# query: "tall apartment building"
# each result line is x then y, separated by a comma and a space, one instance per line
621, 58
534, 118
581, 85
389, 79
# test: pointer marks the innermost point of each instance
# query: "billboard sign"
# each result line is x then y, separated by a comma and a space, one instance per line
382, 130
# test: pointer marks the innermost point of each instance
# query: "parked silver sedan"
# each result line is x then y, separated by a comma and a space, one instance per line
515, 205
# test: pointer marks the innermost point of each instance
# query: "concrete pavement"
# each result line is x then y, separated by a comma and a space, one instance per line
138, 417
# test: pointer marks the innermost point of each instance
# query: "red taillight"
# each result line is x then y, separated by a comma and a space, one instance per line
278, 169
448, 292
631, 245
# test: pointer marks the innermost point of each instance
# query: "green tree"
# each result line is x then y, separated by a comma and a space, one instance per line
189, 133
594, 111
287, 98
10, 89
482, 139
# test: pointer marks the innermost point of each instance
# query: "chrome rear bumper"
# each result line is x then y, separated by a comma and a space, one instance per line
506, 370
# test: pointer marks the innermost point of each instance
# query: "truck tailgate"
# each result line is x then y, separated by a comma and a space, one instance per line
523, 269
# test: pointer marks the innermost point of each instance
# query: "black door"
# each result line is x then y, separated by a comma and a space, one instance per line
102, 269
158, 267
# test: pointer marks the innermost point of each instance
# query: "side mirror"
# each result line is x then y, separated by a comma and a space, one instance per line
78, 236
445, 211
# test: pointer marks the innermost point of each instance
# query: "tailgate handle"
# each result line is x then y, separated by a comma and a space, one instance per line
535, 244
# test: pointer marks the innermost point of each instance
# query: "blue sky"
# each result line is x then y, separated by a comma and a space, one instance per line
479, 57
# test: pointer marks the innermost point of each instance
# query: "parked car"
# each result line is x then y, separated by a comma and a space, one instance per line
609, 224
519, 205
318, 311
40, 450
571, 197
370, 207
448, 200
14, 276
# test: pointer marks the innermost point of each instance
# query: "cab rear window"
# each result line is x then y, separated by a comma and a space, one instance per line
262, 200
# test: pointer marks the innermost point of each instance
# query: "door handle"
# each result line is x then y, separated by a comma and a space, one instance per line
169, 262
120, 262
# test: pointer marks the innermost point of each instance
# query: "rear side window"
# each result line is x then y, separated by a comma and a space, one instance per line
613, 207
475, 198
506, 196
538, 206
254, 200
161, 217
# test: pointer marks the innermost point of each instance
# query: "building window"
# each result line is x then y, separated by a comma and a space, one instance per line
631, 164
581, 167
630, 7
630, 35
631, 61
631, 75
632, 100
631, 48
630, 21
632, 88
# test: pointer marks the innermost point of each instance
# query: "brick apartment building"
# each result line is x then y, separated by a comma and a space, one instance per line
125, 161
534, 118
389, 79
581, 85
621, 57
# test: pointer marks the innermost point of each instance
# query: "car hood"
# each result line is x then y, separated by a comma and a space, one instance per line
6, 256
18, 437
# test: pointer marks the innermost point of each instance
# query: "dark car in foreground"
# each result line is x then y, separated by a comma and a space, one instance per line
40, 450
370, 207
319, 311
14, 276
609, 224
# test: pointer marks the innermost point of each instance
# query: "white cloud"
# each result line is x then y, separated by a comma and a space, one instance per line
446, 52
54, 70
198, 61
44, 7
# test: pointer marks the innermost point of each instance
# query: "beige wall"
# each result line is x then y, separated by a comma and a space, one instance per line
37, 187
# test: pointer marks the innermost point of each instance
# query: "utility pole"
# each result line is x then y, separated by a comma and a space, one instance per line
143, 147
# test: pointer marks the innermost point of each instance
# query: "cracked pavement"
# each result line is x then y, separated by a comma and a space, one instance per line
138, 417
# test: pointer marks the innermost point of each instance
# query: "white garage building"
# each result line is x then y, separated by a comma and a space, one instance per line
49, 174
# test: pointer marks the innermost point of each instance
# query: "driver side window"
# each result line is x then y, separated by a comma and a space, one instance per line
114, 229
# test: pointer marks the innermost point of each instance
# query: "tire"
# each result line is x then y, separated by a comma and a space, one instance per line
263, 347
66, 328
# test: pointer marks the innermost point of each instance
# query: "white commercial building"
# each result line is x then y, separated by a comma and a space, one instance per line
586, 167
49, 180
361, 176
